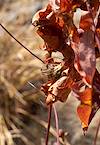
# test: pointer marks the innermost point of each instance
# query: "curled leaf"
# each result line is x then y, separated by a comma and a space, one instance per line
78, 16
72, 33
59, 90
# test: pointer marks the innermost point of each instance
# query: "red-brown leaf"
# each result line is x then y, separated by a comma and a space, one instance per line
59, 90
85, 60
84, 112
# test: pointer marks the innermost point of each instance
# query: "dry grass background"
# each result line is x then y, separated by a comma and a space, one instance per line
22, 115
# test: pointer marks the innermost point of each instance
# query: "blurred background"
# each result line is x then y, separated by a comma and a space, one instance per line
23, 114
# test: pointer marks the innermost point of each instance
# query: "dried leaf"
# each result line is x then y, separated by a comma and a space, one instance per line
58, 91
65, 5
85, 61
41, 14
78, 16
84, 112
71, 33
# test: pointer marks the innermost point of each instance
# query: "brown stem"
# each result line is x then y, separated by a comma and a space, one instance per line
97, 131
56, 121
21, 44
49, 115
49, 120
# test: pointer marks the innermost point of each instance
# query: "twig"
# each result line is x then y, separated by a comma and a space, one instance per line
56, 121
49, 115
48, 128
21, 44
97, 131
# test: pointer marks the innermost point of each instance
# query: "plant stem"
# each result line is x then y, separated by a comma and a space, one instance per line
56, 121
48, 128
21, 44
97, 131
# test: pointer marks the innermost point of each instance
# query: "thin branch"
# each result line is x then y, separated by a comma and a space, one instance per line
32, 85
49, 116
21, 44
48, 128
59, 140
57, 126
97, 131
